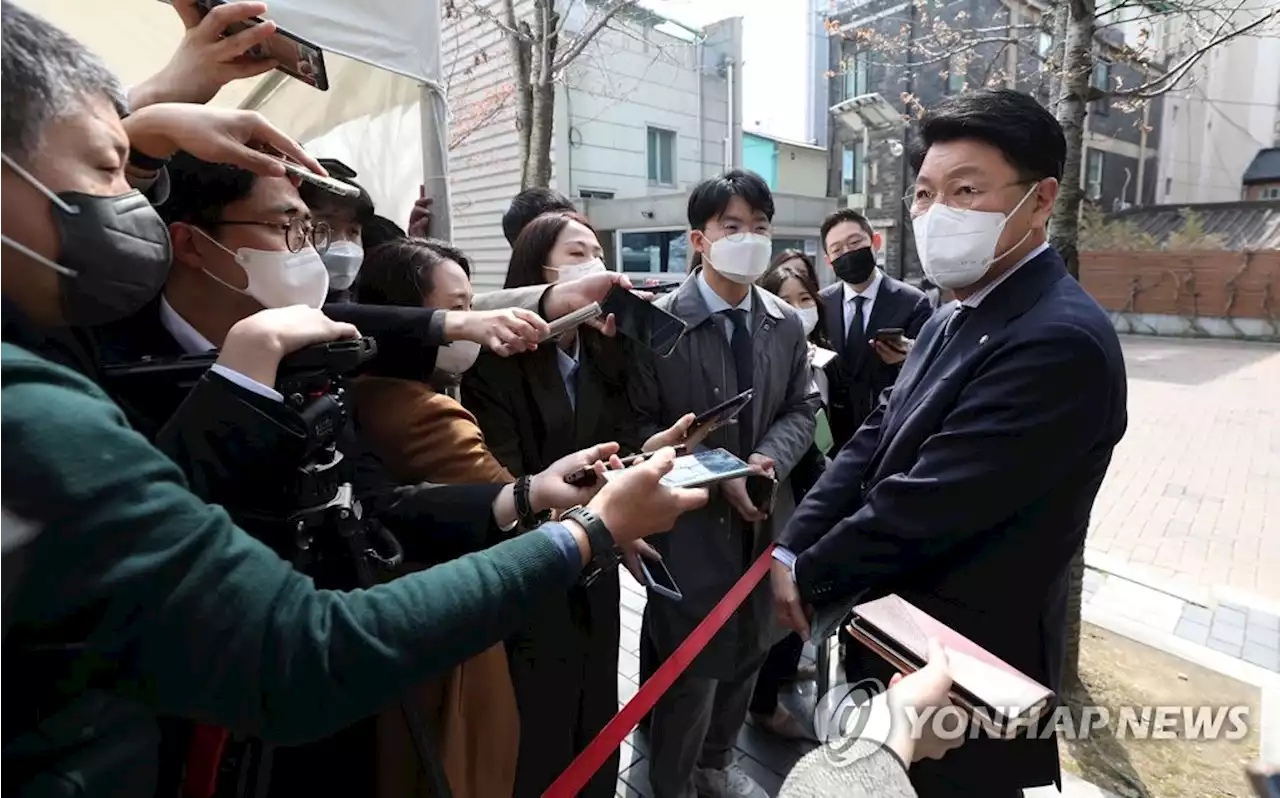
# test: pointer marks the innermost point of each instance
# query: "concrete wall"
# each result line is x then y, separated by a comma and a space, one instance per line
801, 170
1213, 124
1203, 293
631, 77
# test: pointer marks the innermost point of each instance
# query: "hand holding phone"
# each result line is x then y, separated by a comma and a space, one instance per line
642, 321
892, 337
716, 417
292, 54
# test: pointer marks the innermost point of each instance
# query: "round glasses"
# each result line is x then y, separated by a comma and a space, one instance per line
298, 232
919, 200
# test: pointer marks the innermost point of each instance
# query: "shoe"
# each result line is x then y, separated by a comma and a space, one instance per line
730, 782
783, 724
805, 672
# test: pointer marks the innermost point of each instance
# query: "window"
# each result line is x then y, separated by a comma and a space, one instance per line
855, 74
1102, 82
957, 72
656, 251
662, 157
592, 193
851, 167
1044, 46
1093, 175
1271, 192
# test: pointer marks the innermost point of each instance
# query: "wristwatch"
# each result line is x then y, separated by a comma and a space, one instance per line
524, 508
604, 552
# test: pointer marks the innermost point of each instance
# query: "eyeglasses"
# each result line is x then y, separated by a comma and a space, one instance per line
297, 232
962, 197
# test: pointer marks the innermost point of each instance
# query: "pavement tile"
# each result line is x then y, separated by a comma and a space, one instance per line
1228, 634
1195, 632
1197, 614
1263, 657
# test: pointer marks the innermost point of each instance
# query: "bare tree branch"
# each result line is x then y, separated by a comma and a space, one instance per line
589, 31
508, 26
1170, 78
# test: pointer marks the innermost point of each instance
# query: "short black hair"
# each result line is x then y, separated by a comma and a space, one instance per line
199, 191
783, 268
840, 216
378, 231
1028, 136
529, 205
45, 74
321, 200
712, 196
402, 272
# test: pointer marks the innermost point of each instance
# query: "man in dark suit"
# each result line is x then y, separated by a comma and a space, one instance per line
969, 488
859, 305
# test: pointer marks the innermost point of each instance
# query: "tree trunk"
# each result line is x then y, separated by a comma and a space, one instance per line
537, 164
1064, 230
1077, 68
520, 61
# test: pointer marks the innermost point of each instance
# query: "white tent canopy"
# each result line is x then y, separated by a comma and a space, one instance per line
383, 60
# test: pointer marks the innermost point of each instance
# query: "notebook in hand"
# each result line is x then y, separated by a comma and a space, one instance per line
985, 685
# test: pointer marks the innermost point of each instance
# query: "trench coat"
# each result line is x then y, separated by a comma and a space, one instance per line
711, 547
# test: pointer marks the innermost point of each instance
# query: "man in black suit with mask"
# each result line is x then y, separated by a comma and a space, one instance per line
863, 303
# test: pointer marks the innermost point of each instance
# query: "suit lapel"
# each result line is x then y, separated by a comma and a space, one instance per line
550, 401
936, 363
590, 396
834, 301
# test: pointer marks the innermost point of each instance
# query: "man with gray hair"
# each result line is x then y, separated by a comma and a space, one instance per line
138, 598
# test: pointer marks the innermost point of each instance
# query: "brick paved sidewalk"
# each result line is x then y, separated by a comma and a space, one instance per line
1192, 499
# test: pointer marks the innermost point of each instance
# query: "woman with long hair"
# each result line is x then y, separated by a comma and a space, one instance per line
534, 407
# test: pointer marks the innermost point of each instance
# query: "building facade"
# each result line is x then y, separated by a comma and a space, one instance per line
1215, 120
648, 110
866, 54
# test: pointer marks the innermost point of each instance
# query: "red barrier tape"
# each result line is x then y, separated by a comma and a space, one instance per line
584, 766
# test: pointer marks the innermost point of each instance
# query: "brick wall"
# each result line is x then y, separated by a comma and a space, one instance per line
1217, 284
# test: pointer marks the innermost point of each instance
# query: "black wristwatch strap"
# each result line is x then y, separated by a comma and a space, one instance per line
524, 507
604, 552
148, 163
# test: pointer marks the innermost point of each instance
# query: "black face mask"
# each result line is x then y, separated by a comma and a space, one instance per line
115, 253
855, 266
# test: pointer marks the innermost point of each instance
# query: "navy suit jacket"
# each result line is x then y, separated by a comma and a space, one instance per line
859, 376
969, 489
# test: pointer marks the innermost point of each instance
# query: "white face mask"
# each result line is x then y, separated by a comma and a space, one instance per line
456, 357
809, 318
957, 247
741, 257
574, 271
343, 259
279, 279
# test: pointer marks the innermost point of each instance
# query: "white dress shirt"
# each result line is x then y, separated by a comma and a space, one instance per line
869, 294
193, 343
974, 299
717, 305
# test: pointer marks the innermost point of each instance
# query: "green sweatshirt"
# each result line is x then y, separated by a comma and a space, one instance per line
199, 619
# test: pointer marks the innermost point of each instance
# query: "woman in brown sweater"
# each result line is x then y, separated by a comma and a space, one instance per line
422, 433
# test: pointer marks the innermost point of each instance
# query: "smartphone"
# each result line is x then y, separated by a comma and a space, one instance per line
640, 320
890, 337
297, 57
571, 320
705, 468
721, 414
327, 183
585, 477
658, 579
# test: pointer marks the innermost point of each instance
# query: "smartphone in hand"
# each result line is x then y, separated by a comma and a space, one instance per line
297, 57
658, 579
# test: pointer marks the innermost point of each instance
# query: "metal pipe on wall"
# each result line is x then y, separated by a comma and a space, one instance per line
729, 137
